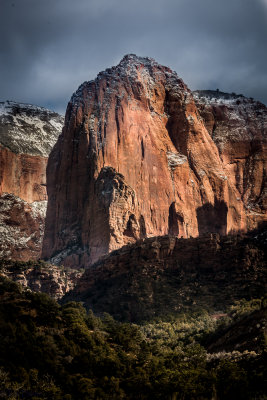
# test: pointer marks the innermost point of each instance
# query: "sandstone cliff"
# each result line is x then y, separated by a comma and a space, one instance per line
137, 158
27, 135
238, 127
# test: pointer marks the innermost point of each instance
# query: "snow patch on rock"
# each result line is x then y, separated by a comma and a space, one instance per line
39, 208
246, 118
175, 159
29, 129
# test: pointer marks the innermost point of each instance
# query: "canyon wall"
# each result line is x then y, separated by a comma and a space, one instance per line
27, 135
238, 127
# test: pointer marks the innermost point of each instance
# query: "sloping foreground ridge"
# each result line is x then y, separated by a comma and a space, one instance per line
161, 276
140, 155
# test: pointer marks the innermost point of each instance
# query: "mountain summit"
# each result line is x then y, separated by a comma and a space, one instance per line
140, 155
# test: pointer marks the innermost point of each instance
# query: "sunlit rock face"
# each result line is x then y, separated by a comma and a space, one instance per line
27, 135
136, 159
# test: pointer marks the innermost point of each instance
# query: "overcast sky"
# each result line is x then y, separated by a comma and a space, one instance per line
49, 47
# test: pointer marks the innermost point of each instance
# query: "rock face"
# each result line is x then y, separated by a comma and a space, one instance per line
40, 277
238, 127
27, 135
166, 275
21, 227
137, 158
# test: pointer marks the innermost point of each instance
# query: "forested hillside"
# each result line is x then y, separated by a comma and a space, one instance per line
53, 352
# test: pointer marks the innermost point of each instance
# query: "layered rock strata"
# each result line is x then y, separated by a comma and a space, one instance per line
137, 158
27, 135
165, 275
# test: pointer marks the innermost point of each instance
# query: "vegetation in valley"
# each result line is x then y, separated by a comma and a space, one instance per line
49, 351
15, 266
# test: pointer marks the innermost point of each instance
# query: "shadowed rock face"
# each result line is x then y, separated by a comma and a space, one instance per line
165, 275
135, 159
212, 217
27, 135
238, 127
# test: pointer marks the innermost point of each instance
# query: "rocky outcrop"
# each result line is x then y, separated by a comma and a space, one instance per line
238, 127
21, 228
27, 135
136, 158
165, 276
40, 277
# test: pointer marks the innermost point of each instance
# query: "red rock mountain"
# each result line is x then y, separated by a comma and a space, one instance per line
140, 155
27, 135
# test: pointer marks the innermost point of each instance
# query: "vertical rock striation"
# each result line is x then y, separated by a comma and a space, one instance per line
136, 158
238, 127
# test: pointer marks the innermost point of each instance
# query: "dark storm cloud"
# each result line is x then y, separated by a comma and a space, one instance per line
48, 48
